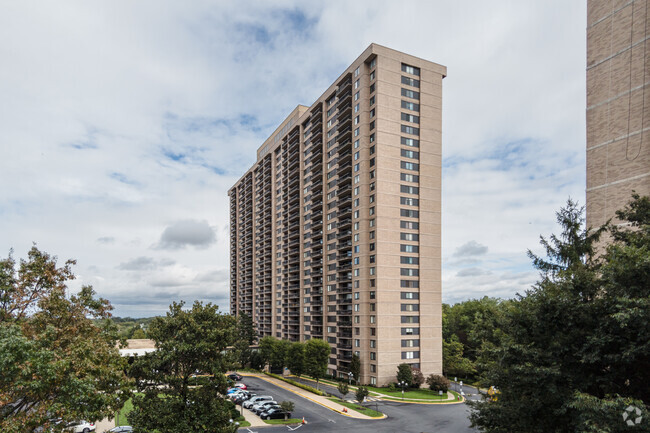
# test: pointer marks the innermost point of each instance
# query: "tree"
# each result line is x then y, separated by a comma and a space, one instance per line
453, 362
438, 383
418, 378
296, 358
187, 342
55, 362
405, 374
246, 336
267, 348
317, 354
287, 407
355, 367
361, 393
575, 350
343, 389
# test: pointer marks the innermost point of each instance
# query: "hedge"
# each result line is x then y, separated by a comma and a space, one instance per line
294, 383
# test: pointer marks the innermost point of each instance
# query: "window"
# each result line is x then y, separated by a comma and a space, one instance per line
410, 118
409, 295
409, 213
373, 63
414, 237
409, 177
410, 154
410, 81
409, 284
409, 94
372, 319
372, 138
410, 307
373, 380
408, 201
409, 189
410, 105
410, 69
410, 355
356, 71
356, 83
356, 120
409, 260
356, 96
411, 343
408, 272
356, 144
372, 125
409, 130
372, 75
373, 368
372, 101
410, 319
356, 295
357, 343
372, 87
356, 108
356, 167
356, 307
373, 344
410, 331
373, 356
410, 166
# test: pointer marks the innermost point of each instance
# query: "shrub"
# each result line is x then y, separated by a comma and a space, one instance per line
294, 383
343, 389
405, 374
391, 388
361, 393
438, 383
418, 378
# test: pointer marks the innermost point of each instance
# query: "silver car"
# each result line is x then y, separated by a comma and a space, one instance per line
260, 398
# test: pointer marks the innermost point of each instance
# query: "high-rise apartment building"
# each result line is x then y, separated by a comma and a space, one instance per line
335, 230
618, 111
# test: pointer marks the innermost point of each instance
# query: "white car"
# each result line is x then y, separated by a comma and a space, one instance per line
79, 427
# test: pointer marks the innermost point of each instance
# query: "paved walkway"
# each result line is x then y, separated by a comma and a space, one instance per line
322, 400
255, 420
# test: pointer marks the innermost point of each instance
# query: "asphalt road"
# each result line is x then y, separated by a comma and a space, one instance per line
402, 417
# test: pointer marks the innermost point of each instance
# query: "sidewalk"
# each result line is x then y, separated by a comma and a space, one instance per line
322, 400
255, 420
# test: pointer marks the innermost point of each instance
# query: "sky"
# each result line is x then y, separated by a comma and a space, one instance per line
123, 125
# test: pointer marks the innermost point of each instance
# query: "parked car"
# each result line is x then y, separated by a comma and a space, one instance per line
241, 386
80, 426
232, 390
263, 406
257, 399
121, 429
235, 377
275, 414
241, 398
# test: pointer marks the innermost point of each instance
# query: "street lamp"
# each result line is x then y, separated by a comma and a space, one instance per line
403, 385
350, 376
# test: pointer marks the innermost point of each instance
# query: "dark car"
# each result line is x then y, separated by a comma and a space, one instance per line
235, 377
122, 429
275, 414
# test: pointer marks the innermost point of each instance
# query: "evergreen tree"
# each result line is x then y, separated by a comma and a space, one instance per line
576, 351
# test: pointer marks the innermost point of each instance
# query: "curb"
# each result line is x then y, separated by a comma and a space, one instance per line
311, 399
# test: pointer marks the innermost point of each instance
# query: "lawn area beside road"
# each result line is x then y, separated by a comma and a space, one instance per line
419, 394
281, 421
357, 407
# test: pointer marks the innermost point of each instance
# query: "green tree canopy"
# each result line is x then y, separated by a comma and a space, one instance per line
355, 367
188, 342
576, 350
296, 358
317, 354
55, 361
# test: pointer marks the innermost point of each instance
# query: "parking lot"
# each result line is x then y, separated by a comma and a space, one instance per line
402, 417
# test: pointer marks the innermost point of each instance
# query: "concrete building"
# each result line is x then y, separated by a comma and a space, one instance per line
335, 230
618, 110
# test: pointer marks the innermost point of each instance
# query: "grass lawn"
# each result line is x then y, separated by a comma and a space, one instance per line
425, 394
356, 407
120, 417
281, 421
242, 422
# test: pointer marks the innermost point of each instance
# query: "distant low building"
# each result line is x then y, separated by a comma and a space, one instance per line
138, 347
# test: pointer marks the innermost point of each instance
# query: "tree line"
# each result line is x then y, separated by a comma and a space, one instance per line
571, 354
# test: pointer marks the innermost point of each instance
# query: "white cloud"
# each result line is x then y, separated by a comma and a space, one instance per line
120, 119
